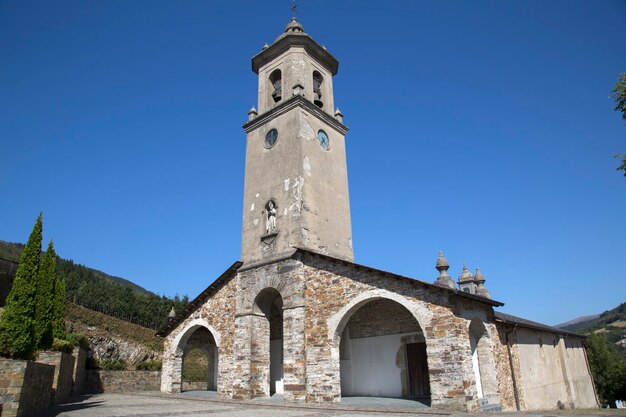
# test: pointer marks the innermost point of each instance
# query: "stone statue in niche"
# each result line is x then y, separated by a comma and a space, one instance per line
270, 225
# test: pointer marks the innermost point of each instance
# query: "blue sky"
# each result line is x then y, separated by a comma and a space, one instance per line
481, 128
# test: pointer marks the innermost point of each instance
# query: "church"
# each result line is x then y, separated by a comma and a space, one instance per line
297, 318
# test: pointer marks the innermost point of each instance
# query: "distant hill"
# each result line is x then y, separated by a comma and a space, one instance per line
12, 251
578, 320
611, 322
114, 296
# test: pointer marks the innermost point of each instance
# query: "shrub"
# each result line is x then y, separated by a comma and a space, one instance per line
113, 365
61, 345
78, 339
149, 365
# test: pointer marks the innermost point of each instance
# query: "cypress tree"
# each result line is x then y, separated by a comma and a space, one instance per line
45, 299
17, 338
58, 323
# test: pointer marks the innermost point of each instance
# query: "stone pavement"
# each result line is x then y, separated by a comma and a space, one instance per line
160, 405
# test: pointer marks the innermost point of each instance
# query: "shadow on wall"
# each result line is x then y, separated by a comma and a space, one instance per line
93, 382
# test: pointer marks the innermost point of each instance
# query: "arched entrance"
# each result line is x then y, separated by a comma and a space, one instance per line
483, 363
382, 353
197, 334
199, 362
267, 343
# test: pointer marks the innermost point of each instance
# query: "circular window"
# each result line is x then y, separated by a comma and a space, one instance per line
323, 139
271, 138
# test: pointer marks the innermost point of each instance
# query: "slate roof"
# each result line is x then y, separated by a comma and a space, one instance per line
232, 271
509, 319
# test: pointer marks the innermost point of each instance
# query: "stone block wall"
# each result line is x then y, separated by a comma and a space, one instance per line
218, 316
25, 387
78, 375
63, 373
336, 291
98, 380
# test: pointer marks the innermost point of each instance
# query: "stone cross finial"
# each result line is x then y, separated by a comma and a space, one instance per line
252, 113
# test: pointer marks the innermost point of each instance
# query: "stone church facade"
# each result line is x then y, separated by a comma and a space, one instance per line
298, 318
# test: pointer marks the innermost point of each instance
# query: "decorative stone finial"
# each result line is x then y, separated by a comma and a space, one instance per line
339, 115
294, 26
442, 266
479, 279
252, 113
266, 46
465, 275
172, 313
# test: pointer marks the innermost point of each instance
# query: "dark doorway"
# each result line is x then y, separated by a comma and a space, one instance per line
419, 386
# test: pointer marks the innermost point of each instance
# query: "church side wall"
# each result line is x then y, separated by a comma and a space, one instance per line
578, 370
548, 370
218, 315
334, 290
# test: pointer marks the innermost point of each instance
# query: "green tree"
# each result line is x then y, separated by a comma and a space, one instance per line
45, 299
58, 323
17, 338
607, 367
619, 98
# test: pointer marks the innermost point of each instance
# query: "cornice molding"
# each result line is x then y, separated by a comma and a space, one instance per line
290, 104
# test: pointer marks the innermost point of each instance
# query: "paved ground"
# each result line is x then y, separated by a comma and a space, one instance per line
158, 405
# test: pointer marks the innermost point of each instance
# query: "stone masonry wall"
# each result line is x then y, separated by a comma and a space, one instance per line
63, 373
218, 316
381, 317
78, 375
25, 387
98, 380
335, 291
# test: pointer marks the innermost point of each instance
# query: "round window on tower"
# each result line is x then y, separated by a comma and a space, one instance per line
271, 138
322, 137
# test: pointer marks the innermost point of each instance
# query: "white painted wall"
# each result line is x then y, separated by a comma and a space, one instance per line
371, 369
276, 366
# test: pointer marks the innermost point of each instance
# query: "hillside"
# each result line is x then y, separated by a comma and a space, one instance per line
611, 322
12, 251
114, 296
111, 338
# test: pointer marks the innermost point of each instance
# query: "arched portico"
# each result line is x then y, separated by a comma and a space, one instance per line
381, 348
197, 334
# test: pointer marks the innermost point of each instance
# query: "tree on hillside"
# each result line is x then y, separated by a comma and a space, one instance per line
17, 339
607, 367
619, 97
45, 299
58, 324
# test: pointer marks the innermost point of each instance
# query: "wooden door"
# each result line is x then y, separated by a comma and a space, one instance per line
417, 366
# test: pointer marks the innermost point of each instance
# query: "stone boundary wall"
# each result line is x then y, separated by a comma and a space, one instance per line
98, 380
195, 385
24, 387
63, 373
78, 375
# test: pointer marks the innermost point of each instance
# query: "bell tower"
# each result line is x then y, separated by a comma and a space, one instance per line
296, 180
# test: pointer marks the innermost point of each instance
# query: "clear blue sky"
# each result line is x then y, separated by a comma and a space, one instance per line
482, 128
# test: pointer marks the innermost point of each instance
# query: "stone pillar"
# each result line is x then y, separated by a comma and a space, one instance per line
294, 360
239, 377
259, 356
80, 360
171, 370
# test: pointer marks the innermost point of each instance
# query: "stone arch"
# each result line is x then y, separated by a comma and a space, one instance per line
267, 343
400, 347
338, 321
171, 377
483, 362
